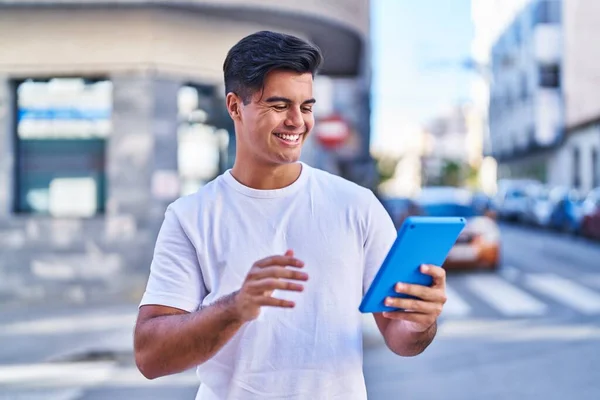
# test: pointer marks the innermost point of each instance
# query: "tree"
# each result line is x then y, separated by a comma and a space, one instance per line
386, 166
451, 173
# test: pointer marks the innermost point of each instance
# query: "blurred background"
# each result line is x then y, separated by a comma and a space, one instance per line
486, 109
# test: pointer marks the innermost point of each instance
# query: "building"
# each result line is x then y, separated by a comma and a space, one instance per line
579, 156
109, 110
490, 18
456, 141
526, 114
448, 144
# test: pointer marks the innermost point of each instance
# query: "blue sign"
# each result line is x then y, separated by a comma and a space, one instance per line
64, 114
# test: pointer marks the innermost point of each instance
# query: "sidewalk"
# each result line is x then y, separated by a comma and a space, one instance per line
84, 351
68, 351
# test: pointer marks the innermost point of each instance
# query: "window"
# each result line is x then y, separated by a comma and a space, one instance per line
549, 76
595, 168
61, 130
548, 12
524, 87
576, 169
517, 33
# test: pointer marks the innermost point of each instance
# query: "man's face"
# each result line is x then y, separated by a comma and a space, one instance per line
273, 126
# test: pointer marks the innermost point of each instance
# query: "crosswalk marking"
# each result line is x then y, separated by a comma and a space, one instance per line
45, 394
455, 306
504, 297
56, 375
58, 381
566, 292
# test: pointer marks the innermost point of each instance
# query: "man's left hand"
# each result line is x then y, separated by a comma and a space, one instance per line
420, 314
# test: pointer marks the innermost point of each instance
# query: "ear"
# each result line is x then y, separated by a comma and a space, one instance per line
234, 105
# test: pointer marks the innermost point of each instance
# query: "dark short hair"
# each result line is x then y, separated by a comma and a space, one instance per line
250, 60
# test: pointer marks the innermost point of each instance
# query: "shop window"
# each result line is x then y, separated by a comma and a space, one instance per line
61, 128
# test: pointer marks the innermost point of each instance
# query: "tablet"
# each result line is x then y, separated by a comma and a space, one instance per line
420, 240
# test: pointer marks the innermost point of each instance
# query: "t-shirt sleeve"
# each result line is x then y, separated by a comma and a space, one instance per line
175, 276
381, 234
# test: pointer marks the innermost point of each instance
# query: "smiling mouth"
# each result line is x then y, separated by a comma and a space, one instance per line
290, 138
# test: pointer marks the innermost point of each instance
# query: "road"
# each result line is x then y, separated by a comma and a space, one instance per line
529, 331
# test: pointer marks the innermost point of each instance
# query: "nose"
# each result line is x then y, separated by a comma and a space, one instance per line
294, 118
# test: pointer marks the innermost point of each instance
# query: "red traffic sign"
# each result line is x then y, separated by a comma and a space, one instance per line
332, 131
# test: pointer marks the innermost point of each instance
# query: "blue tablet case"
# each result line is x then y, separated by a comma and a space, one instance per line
421, 240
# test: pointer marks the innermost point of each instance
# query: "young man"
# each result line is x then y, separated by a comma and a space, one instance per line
257, 278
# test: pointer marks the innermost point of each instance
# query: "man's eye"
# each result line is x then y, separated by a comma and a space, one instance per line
280, 107
307, 109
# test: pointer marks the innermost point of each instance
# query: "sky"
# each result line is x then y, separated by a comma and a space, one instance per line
416, 48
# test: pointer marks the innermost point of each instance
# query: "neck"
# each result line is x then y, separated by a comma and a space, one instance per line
266, 177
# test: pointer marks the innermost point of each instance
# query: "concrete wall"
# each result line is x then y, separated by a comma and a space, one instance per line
6, 146
586, 142
353, 14
581, 75
177, 43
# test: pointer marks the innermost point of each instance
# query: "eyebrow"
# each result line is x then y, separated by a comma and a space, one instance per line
277, 99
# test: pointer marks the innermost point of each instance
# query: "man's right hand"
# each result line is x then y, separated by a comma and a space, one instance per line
265, 276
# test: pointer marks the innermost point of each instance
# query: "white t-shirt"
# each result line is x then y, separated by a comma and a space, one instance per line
209, 241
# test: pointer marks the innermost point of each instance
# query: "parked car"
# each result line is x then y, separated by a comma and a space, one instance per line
399, 208
511, 199
590, 224
478, 245
538, 208
567, 210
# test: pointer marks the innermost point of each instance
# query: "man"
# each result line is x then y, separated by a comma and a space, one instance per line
257, 278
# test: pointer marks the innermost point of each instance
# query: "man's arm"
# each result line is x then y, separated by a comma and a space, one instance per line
168, 340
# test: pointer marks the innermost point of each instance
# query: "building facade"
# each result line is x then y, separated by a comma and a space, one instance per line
110, 110
526, 109
490, 19
580, 154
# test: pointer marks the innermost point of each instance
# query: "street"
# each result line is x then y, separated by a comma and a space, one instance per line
529, 331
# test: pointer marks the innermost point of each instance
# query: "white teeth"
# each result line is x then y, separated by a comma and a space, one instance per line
289, 138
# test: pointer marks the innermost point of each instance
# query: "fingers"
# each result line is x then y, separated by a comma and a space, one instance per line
274, 302
422, 292
271, 284
283, 261
270, 274
413, 305
277, 272
437, 273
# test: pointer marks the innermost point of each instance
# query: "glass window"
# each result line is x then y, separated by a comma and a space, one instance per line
548, 12
549, 76
524, 86
576, 169
61, 130
595, 168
